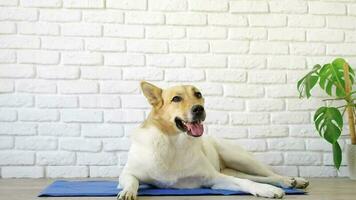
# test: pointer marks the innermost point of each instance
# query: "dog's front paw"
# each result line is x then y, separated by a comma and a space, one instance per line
288, 182
268, 191
301, 182
127, 195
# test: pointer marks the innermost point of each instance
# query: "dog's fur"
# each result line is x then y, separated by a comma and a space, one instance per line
166, 156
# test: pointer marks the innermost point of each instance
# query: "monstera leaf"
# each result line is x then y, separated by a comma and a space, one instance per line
308, 82
337, 155
332, 77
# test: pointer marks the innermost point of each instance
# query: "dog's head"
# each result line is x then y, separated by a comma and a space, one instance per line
176, 109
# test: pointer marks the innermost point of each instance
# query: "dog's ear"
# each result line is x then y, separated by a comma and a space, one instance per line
152, 93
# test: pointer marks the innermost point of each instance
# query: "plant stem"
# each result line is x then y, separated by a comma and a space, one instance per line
349, 107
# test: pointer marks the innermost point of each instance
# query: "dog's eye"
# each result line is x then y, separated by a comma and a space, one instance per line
177, 99
198, 95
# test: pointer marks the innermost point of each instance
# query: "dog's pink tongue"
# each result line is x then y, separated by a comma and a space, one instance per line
196, 129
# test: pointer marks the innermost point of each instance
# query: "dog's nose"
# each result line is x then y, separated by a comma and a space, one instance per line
197, 109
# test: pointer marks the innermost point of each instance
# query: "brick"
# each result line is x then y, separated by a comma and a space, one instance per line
147, 46
106, 130
268, 131
248, 7
217, 117
144, 18
58, 72
120, 144
191, 46
6, 142
307, 49
9, 3
6, 86
248, 33
269, 48
205, 61
52, 101
103, 73
123, 31
287, 90
165, 60
318, 145
291, 118
286, 170
284, 144
35, 143
165, 32
351, 9
163, 5
41, 3
226, 20
62, 43
16, 158
252, 144
184, 75
325, 36
22, 172
55, 158
222, 75
207, 33
249, 118
83, 3
134, 101
67, 171
96, 159
327, 8
267, 77
81, 116
127, 4
38, 57
303, 104
18, 14
186, 19
303, 158
149, 74
341, 49
210, 89
265, 105
267, 20
211, 5
60, 15
286, 34
243, 90
17, 42
36, 86
7, 27
317, 171
270, 158
38, 115
288, 6
124, 60
80, 144
105, 171
90, 101
229, 47
121, 87
247, 62
124, 116
228, 132
105, 44
79, 29
307, 21
303, 131
82, 58
42, 28
103, 16
227, 104
16, 100
7, 115
286, 62
58, 129
350, 36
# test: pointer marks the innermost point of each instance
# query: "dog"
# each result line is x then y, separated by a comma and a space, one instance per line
169, 151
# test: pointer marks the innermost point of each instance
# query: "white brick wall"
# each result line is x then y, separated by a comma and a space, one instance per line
70, 72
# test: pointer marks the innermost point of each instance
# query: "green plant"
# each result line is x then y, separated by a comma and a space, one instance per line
336, 79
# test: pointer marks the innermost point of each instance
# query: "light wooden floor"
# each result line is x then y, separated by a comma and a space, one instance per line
319, 189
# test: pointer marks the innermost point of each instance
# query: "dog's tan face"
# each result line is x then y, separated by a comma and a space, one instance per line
176, 109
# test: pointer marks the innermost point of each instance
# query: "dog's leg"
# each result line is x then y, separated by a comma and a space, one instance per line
129, 185
245, 162
226, 182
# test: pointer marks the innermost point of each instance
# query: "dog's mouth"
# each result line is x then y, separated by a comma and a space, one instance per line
194, 128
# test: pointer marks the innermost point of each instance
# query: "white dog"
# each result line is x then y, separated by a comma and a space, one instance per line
168, 151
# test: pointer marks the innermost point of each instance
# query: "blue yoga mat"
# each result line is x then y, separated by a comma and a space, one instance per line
62, 188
